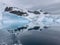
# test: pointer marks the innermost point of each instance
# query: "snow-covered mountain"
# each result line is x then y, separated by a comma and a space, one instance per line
37, 17
30, 15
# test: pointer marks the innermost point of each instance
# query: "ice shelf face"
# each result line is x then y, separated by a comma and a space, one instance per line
12, 21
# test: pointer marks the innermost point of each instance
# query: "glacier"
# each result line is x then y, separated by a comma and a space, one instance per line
12, 21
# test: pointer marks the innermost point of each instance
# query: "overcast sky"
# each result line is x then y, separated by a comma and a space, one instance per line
29, 3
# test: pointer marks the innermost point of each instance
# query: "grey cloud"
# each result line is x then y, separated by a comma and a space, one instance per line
29, 3
34, 4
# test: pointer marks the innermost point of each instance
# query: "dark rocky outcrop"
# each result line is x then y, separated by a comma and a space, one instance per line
8, 8
36, 12
34, 28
